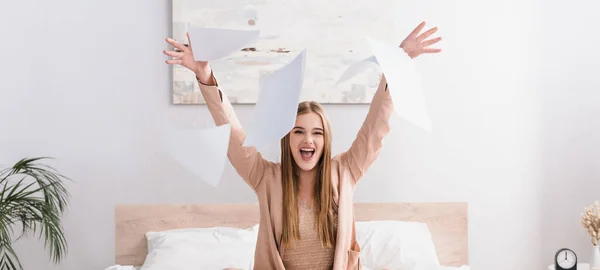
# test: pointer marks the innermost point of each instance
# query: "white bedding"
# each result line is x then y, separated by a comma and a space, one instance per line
129, 267
384, 245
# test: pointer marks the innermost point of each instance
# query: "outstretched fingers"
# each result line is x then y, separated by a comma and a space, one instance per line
187, 34
173, 54
428, 33
417, 29
173, 62
176, 44
431, 50
432, 41
176, 55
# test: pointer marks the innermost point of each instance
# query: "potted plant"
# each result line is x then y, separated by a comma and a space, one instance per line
33, 196
590, 220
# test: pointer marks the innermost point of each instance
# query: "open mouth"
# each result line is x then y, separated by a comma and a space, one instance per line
307, 153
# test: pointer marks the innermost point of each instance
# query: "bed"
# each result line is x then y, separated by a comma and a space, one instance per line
444, 227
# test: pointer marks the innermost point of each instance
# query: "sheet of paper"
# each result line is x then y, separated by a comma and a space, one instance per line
357, 68
201, 152
211, 44
275, 111
404, 82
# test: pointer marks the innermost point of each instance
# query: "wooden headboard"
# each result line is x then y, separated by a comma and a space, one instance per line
448, 223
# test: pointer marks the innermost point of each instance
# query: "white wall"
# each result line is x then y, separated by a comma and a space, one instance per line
568, 83
515, 135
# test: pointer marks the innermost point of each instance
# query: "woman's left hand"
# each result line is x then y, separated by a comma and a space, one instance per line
416, 44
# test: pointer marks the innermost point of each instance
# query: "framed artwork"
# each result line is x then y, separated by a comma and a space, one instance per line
332, 32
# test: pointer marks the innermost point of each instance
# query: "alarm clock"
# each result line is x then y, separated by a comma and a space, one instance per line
565, 259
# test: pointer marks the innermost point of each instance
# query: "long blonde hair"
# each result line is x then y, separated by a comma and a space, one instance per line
323, 198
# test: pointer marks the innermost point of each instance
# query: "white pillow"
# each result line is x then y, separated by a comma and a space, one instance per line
398, 245
201, 248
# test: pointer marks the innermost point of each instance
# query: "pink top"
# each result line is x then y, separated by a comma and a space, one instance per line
264, 177
308, 253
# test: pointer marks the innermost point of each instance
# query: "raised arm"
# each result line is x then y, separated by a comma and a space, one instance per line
369, 140
247, 161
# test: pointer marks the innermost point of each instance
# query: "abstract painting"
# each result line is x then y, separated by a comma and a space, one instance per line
332, 32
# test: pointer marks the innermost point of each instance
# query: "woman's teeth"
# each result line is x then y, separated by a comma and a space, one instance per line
307, 152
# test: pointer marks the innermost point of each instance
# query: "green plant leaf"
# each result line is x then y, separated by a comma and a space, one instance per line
36, 201
8, 256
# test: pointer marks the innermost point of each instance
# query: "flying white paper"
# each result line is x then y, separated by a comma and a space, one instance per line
275, 111
357, 68
211, 44
202, 152
404, 82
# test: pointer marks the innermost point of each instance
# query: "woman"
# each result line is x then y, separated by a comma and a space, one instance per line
305, 201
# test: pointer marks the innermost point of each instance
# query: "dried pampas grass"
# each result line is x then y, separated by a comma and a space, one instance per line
590, 220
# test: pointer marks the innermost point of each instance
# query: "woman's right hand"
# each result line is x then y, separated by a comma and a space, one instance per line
183, 55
